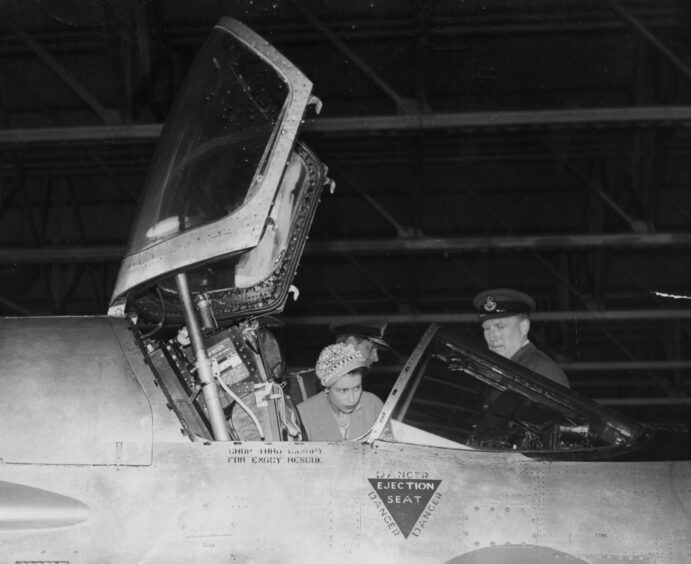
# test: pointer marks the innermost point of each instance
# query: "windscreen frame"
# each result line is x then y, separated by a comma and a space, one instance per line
242, 229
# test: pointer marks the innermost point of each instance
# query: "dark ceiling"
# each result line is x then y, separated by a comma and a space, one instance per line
536, 144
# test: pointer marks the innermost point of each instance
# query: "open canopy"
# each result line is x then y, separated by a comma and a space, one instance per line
230, 195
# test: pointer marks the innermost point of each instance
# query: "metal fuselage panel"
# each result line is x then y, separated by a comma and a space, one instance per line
70, 388
309, 502
75, 393
95, 469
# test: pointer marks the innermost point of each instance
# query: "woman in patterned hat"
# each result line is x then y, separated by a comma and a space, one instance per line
342, 411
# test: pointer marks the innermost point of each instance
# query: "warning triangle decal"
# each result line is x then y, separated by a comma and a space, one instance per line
405, 499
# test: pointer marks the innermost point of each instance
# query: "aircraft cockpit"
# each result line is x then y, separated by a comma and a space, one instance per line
228, 203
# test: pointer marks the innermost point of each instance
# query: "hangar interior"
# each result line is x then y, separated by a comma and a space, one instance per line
536, 144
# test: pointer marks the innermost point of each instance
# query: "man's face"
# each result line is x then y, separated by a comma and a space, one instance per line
366, 347
345, 393
506, 335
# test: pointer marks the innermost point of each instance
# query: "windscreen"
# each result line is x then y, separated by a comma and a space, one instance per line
214, 145
257, 280
460, 398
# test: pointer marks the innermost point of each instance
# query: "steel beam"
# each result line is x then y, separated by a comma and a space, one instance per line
584, 367
667, 116
644, 402
340, 174
77, 87
52, 255
463, 318
80, 134
670, 115
14, 306
513, 243
403, 105
649, 38
418, 245
627, 366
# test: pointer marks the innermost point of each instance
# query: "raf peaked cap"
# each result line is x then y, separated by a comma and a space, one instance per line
371, 331
503, 302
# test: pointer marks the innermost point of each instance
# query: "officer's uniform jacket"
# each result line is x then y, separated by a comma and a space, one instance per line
532, 357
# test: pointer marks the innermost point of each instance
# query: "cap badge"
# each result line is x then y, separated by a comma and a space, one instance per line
490, 304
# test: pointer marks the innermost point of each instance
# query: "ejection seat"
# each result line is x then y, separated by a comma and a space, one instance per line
251, 375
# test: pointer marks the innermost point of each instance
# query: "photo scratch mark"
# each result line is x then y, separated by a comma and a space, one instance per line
673, 296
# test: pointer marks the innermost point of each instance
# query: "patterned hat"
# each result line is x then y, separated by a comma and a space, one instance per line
503, 302
336, 361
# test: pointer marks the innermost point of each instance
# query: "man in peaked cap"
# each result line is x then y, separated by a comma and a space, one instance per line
504, 314
367, 338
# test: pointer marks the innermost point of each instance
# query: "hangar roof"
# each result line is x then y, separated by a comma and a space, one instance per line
535, 144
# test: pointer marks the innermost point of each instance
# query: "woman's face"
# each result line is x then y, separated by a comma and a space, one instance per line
344, 393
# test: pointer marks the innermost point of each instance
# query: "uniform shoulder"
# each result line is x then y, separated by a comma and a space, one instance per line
539, 361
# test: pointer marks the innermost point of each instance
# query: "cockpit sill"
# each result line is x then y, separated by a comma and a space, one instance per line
601, 434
